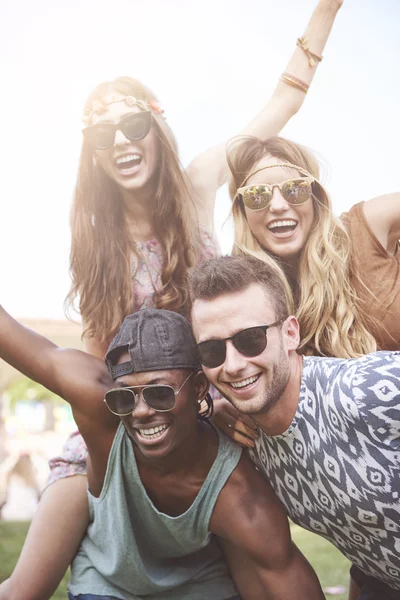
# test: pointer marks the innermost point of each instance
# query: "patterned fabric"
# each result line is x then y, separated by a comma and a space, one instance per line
146, 278
72, 460
146, 275
371, 588
337, 467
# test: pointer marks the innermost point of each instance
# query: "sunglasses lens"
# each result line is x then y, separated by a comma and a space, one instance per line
160, 398
137, 126
120, 402
99, 136
251, 342
257, 197
212, 353
296, 191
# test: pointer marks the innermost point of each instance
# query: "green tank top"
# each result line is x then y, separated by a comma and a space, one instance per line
132, 551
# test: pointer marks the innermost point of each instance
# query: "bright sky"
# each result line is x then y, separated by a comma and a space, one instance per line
213, 64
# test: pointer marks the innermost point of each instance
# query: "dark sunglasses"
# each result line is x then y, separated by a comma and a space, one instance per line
249, 342
159, 397
134, 127
295, 191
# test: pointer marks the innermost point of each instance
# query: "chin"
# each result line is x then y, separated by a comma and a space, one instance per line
247, 407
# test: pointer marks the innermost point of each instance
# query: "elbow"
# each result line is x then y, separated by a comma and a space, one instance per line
288, 101
295, 102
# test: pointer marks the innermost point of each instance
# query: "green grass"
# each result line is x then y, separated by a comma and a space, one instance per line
12, 537
332, 568
330, 565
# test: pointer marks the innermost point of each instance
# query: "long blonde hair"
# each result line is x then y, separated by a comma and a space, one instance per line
101, 251
332, 317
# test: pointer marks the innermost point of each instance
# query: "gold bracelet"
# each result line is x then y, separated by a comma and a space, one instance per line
312, 58
295, 82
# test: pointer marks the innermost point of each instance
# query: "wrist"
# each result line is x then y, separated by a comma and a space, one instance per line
330, 5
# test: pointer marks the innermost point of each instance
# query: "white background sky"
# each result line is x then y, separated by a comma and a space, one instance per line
213, 64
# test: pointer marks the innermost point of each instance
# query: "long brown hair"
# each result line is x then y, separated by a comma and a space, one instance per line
333, 319
101, 250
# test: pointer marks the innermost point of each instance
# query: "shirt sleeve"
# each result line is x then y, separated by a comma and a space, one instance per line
376, 390
71, 462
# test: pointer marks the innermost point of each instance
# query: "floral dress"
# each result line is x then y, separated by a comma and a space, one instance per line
146, 278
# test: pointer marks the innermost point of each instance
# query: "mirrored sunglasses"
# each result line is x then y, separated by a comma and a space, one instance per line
159, 397
134, 127
249, 342
258, 197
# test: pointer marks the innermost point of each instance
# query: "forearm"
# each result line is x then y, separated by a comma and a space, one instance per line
52, 541
78, 377
25, 350
297, 574
315, 36
287, 99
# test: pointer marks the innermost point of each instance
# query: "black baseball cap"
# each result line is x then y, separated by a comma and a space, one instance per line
156, 340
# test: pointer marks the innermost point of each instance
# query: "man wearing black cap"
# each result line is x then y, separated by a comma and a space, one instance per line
161, 479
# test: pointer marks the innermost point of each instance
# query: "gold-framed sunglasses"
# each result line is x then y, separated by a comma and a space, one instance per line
158, 396
295, 191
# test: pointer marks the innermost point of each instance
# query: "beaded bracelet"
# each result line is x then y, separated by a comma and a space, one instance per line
295, 82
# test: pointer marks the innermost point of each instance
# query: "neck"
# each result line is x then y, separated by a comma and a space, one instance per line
280, 416
291, 269
138, 210
191, 453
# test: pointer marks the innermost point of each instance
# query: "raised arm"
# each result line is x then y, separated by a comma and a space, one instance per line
383, 217
76, 376
254, 532
210, 170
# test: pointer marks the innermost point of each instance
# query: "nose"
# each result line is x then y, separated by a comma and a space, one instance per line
142, 410
278, 202
120, 138
234, 361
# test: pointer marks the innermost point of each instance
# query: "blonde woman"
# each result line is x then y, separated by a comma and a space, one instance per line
138, 223
344, 273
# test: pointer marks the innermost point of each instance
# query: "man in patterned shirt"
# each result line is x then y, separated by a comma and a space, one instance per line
328, 429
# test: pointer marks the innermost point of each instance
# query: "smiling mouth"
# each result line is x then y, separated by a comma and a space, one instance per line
239, 385
153, 433
128, 162
284, 226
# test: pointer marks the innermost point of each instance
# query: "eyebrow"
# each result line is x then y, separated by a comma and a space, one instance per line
156, 380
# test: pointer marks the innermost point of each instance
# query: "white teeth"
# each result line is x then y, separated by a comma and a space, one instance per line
153, 431
124, 159
240, 384
288, 223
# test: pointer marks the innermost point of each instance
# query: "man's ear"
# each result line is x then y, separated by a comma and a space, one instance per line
291, 330
201, 385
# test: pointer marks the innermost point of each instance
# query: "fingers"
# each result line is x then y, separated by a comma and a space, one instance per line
243, 435
241, 428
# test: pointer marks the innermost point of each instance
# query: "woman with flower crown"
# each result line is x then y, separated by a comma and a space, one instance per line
139, 222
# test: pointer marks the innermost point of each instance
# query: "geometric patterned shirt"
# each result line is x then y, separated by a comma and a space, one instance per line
337, 467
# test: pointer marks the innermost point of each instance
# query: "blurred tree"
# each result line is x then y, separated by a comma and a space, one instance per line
26, 390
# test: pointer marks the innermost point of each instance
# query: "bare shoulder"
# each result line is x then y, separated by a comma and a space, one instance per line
383, 216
